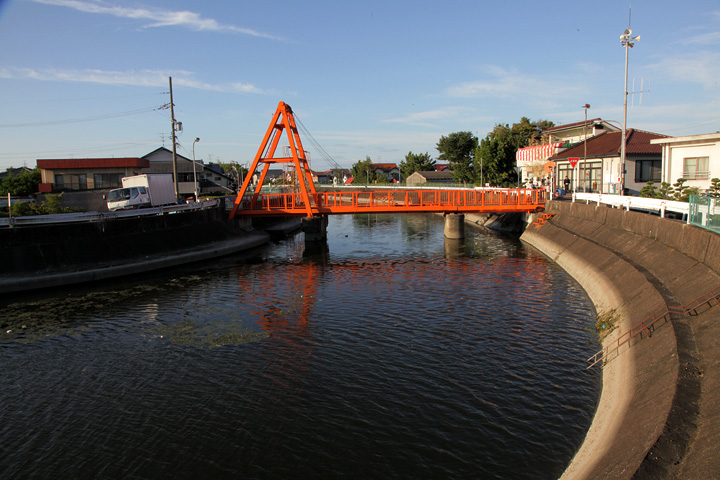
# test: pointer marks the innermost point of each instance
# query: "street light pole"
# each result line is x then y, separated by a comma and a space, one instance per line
627, 41
197, 139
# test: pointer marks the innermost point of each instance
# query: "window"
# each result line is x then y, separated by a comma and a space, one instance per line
647, 170
59, 181
107, 180
696, 168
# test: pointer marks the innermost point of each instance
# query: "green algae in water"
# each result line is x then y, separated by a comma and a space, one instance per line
196, 335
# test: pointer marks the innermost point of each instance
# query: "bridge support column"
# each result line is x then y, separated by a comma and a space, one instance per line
454, 225
315, 228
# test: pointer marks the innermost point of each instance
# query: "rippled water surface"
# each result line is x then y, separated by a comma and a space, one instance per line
392, 354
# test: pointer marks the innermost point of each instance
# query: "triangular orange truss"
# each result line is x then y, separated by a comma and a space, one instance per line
282, 120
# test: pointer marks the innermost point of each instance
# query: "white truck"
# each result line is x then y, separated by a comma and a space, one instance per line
140, 191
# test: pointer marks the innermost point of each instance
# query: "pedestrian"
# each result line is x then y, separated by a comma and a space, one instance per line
566, 182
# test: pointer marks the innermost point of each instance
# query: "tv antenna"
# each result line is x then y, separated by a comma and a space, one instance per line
641, 91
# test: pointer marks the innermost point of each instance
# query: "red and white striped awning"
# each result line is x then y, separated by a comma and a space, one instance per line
536, 154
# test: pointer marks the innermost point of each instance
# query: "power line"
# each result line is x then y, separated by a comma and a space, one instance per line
688, 127
113, 147
78, 120
82, 99
326, 156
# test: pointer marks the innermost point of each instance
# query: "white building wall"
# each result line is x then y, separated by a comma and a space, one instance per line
677, 149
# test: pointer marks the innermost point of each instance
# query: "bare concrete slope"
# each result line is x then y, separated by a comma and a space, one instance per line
656, 413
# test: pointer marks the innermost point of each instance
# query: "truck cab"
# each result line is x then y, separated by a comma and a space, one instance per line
130, 197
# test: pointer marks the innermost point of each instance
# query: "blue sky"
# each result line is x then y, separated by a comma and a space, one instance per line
85, 78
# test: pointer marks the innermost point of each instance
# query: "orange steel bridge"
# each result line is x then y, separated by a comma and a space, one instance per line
306, 201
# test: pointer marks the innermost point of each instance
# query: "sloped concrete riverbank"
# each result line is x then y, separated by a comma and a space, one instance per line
659, 411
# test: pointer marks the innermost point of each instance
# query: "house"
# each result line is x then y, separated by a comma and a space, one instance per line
420, 178
77, 174
210, 178
14, 171
530, 160
213, 179
441, 167
573, 133
273, 175
389, 170
81, 174
695, 158
331, 176
598, 162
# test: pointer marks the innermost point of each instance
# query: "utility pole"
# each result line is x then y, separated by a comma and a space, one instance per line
174, 146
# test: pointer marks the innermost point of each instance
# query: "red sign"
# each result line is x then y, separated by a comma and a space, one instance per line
573, 161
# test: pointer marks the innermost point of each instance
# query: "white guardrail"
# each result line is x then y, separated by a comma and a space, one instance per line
83, 217
635, 203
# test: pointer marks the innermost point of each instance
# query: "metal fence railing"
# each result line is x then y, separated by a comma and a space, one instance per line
705, 212
634, 203
709, 299
84, 217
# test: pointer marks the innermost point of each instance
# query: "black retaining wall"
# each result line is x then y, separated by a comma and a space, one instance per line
74, 246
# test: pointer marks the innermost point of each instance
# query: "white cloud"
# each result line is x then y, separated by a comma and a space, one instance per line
704, 39
157, 18
701, 67
137, 78
431, 118
506, 83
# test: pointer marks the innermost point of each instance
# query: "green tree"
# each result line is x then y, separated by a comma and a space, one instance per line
666, 190
715, 187
25, 183
495, 158
496, 152
362, 172
416, 162
679, 189
458, 149
51, 205
650, 191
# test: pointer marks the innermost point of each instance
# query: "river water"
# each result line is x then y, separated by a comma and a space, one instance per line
392, 354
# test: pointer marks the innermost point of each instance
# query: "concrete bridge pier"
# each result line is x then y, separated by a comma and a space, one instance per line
315, 228
454, 225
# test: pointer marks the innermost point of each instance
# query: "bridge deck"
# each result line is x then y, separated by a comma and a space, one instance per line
394, 201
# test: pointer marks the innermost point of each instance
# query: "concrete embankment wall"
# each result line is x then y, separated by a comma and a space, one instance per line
652, 403
72, 246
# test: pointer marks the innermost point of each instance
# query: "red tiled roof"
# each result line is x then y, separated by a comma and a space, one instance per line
87, 163
386, 167
608, 145
568, 126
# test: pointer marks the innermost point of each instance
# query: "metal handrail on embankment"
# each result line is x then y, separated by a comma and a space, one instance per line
647, 326
84, 217
634, 203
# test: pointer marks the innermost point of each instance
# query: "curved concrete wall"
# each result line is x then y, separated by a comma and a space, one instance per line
634, 264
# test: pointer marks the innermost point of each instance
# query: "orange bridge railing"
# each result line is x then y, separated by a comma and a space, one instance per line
393, 201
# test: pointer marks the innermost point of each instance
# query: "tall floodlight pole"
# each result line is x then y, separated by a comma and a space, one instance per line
627, 41
197, 139
586, 106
